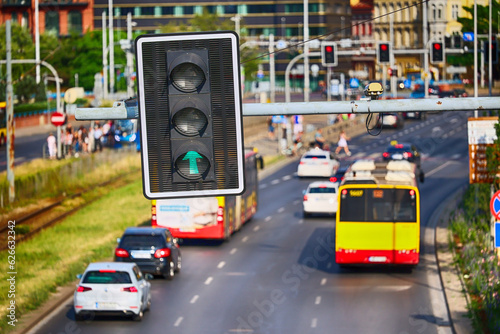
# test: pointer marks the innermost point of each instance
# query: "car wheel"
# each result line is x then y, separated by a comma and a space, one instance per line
138, 317
306, 214
169, 275
148, 304
179, 264
79, 317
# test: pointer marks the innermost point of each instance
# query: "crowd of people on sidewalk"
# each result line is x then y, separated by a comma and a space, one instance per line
75, 141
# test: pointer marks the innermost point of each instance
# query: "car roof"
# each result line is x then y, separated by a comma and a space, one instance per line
327, 184
316, 151
122, 266
145, 230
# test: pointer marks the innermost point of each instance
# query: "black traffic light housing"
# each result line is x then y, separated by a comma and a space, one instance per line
329, 56
437, 52
384, 53
190, 110
494, 51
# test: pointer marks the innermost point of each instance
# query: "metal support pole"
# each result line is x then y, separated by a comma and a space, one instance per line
475, 55
111, 50
130, 58
306, 51
10, 115
37, 41
104, 59
425, 40
490, 63
272, 72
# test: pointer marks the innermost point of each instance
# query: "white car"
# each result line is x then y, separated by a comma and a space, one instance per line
321, 197
317, 162
112, 288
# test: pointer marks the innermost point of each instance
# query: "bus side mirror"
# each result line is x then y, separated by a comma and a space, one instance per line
260, 161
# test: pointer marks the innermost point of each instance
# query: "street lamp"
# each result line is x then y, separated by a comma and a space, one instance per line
236, 19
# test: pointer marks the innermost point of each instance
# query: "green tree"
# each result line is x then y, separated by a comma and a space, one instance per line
493, 157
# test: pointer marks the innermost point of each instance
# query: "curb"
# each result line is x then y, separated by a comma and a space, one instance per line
456, 296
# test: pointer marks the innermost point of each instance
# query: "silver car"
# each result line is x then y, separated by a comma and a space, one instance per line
112, 288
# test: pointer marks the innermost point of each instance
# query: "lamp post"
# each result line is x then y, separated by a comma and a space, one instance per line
236, 19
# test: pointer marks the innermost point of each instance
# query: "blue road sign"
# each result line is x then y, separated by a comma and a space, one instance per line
497, 234
468, 36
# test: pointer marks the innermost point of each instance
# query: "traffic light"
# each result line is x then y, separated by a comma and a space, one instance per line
384, 53
191, 114
494, 52
329, 54
437, 52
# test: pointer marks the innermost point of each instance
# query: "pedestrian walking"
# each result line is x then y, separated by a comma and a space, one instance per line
52, 145
342, 144
319, 140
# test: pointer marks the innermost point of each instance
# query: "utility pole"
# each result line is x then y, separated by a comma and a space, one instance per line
37, 42
111, 50
490, 63
392, 79
10, 116
306, 50
130, 60
104, 59
425, 39
475, 55
272, 73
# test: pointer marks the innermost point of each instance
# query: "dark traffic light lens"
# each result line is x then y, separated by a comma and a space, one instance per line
192, 165
187, 77
190, 122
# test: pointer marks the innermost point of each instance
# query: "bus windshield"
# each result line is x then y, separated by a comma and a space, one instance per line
378, 205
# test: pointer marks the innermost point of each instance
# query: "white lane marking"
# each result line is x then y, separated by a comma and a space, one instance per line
209, 280
406, 131
245, 239
323, 281
296, 202
194, 299
263, 186
400, 134
233, 251
318, 300
452, 132
374, 155
273, 182
281, 210
301, 221
438, 168
256, 228
178, 321
453, 120
456, 156
314, 323
268, 218
286, 177
221, 264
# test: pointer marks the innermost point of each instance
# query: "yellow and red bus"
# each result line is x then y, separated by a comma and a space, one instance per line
210, 217
3, 123
378, 224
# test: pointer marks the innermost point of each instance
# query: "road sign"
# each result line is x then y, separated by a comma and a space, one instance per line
495, 205
468, 36
497, 234
58, 119
481, 133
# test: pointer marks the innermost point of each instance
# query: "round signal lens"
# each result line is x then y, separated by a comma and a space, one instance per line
190, 122
192, 165
187, 77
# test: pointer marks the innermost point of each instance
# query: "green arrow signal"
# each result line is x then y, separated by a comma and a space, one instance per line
193, 166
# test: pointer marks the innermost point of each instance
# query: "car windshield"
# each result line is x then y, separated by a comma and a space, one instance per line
141, 242
322, 190
107, 277
397, 149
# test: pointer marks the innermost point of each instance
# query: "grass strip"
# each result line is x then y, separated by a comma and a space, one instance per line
56, 255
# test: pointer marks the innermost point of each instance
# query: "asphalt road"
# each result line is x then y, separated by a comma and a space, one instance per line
278, 274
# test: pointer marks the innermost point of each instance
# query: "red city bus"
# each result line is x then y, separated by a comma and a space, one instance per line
210, 217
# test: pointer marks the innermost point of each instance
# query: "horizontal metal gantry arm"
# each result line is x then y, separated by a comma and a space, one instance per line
128, 109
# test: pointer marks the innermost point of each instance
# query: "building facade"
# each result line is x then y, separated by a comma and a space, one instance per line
58, 17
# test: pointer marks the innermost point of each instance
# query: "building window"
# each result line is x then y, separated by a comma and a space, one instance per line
74, 22
167, 10
52, 23
157, 11
454, 12
137, 11
231, 9
294, 8
178, 11
220, 10
127, 10
188, 10
13, 16
147, 11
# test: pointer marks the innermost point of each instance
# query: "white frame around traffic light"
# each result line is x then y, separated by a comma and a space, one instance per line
378, 53
139, 42
323, 56
431, 48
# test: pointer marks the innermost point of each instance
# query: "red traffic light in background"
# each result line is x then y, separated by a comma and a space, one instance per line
384, 53
437, 52
329, 54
